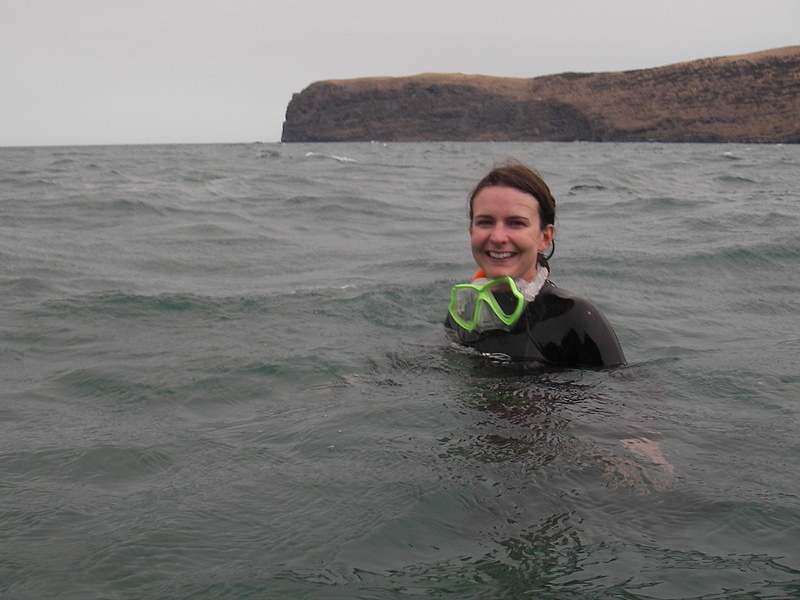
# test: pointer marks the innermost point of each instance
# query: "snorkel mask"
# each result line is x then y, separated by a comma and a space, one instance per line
496, 304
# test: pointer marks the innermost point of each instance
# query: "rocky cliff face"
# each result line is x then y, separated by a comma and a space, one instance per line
749, 98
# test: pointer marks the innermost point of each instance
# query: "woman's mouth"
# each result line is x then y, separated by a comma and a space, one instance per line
499, 255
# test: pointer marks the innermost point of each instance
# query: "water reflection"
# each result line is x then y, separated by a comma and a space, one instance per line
501, 482
536, 416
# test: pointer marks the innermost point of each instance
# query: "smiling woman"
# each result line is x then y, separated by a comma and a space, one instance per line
511, 308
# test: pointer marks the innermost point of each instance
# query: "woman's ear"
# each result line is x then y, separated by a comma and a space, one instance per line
548, 233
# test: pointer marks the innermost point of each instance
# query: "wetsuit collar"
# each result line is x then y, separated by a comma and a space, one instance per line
529, 289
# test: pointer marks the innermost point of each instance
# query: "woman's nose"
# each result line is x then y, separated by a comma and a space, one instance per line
499, 234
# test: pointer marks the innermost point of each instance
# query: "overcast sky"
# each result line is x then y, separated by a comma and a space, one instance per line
187, 71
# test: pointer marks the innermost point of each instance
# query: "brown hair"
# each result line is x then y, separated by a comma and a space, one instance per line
518, 176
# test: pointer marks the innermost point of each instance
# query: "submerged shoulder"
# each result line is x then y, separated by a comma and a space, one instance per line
575, 330
556, 301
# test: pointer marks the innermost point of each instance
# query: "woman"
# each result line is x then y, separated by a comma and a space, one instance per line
511, 307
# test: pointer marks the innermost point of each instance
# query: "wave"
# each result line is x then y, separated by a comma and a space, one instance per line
271, 154
736, 180
581, 188
28, 286
322, 155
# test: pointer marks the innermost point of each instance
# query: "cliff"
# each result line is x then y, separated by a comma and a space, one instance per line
747, 98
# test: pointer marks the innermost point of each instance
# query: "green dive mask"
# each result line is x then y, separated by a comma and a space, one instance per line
496, 304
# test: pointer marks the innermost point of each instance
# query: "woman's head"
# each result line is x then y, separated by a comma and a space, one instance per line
518, 176
511, 222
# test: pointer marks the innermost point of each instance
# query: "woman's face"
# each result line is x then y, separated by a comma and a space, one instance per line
505, 233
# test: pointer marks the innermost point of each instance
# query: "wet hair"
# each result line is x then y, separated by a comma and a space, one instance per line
518, 176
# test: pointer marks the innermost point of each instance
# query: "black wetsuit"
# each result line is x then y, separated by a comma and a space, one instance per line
557, 328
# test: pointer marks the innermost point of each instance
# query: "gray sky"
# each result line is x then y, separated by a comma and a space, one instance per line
186, 71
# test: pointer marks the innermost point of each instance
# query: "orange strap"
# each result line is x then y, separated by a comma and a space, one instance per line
478, 274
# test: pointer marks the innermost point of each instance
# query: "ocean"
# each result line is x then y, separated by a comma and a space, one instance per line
225, 376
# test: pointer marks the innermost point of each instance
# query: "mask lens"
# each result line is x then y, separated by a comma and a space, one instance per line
464, 306
496, 304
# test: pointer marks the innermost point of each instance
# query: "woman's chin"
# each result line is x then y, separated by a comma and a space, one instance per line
517, 271
495, 272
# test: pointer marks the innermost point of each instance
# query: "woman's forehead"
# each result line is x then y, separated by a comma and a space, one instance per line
506, 201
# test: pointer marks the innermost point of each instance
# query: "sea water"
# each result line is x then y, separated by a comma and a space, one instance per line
224, 375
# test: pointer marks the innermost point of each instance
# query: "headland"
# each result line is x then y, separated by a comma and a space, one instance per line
752, 98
